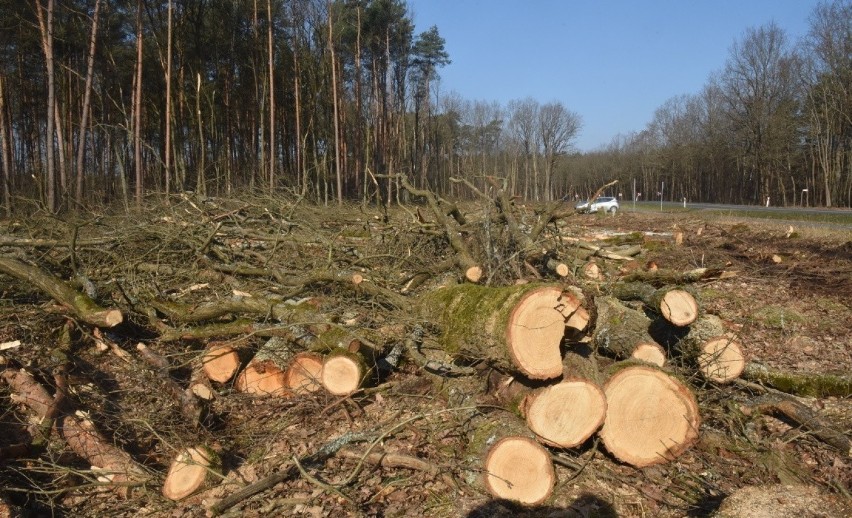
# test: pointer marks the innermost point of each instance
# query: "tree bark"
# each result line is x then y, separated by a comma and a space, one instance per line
87, 96
619, 330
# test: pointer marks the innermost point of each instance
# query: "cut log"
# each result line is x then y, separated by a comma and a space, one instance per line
651, 417
519, 469
652, 353
717, 354
676, 305
79, 303
265, 373
344, 371
620, 330
220, 362
193, 469
566, 414
304, 374
721, 359
515, 327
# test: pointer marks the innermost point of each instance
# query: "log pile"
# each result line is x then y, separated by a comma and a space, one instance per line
600, 348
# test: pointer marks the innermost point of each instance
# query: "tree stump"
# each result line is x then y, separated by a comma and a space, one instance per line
193, 469
651, 417
516, 328
566, 414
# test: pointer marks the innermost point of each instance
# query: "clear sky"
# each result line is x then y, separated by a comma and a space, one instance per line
612, 61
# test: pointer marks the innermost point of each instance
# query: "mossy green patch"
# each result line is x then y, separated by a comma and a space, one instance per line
778, 317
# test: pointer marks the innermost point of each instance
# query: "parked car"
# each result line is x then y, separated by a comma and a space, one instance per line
605, 203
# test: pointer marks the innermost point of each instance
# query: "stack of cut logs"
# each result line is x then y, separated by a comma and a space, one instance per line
643, 414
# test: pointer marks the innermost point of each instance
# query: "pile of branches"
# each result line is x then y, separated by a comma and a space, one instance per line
205, 307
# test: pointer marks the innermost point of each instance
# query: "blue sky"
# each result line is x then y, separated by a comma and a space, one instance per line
612, 61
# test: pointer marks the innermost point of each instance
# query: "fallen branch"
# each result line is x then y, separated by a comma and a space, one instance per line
775, 404
79, 303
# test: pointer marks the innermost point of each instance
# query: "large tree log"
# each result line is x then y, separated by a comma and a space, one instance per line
676, 305
651, 417
516, 328
346, 369
79, 303
623, 332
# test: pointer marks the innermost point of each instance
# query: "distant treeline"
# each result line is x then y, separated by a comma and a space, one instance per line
112, 101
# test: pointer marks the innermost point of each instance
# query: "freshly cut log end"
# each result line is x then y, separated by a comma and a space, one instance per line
304, 375
562, 270
592, 271
650, 353
566, 414
220, 362
473, 274
535, 329
343, 373
192, 470
651, 417
262, 379
579, 321
679, 308
519, 469
109, 317
721, 359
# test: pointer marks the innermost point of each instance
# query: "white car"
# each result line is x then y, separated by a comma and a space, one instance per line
607, 204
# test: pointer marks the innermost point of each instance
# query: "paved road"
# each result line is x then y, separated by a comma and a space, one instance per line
791, 213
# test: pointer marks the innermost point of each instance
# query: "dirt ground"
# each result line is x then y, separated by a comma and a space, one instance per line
785, 295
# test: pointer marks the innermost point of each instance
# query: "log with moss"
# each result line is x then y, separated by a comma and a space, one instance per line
651, 417
622, 332
79, 303
678, 306
517, 328
814, 384
193, 470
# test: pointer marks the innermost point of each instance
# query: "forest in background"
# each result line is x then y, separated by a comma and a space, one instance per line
110, 101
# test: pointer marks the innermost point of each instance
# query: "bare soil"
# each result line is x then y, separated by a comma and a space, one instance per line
786, 298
